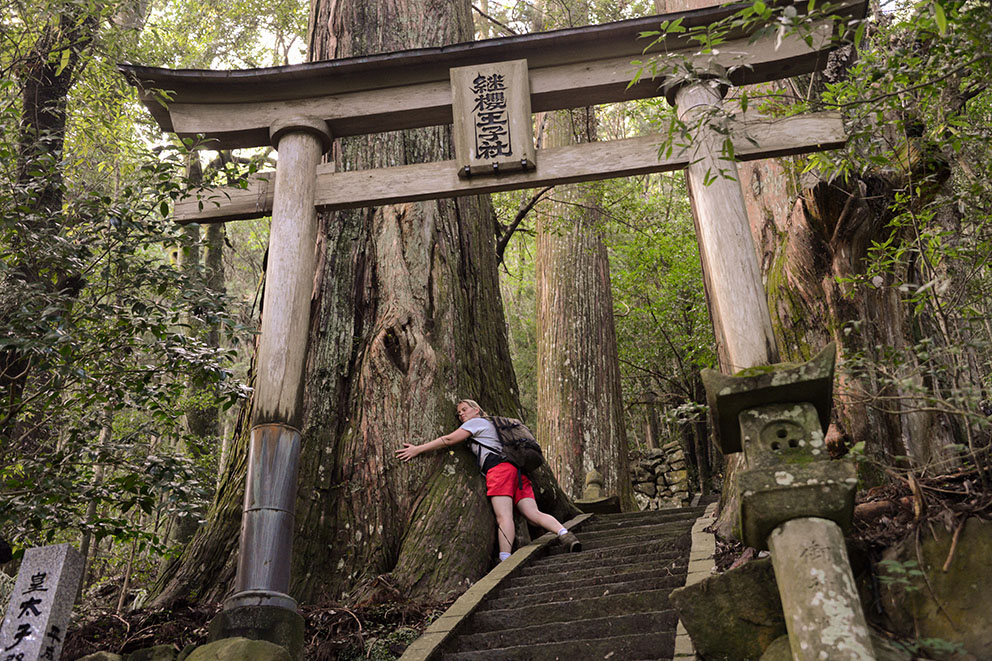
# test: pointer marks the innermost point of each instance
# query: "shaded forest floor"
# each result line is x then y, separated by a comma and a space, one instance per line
334, 632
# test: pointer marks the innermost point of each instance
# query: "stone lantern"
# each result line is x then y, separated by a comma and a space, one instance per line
795, 500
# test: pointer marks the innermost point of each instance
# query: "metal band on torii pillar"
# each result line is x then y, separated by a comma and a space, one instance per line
738, 305
265, 549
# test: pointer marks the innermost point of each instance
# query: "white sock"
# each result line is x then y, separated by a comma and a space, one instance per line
563, 531
503, 556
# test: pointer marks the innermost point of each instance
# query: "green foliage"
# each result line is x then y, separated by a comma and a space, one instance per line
117, 349
663, 327
919, 115
933, 648
101, 341
898, 574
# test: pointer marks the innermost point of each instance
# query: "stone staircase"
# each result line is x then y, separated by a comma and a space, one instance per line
608, 602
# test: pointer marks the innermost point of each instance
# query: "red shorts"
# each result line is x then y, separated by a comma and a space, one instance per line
501, 480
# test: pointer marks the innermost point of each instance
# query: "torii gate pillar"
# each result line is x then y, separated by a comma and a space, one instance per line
277, 410
726, 248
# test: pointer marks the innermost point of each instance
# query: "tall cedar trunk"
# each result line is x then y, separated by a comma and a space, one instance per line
406, 320
203, 420
579, 404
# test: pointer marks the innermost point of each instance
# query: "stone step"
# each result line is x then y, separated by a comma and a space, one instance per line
518, 587
600, 627
566, 611
555, 593
585, 567
672, 563
607, 521
640, 647
623, 536
612, 555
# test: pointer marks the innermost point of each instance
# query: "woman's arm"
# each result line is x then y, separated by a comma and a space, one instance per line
409, 451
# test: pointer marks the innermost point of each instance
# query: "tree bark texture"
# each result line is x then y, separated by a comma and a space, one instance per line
811, 239
811, 236
580, 410
406, 320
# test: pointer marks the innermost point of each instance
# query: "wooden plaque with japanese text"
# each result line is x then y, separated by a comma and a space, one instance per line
492, 119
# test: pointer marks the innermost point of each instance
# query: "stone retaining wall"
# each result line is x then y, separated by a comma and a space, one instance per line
661, 478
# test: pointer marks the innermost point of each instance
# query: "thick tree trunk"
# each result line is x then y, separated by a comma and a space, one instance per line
812, 240
579, 404
406, 320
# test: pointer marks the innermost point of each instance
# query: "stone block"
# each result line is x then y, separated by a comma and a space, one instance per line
647, 488
41, 602
657, 465
641, 474
156, 653
643, 502
280, 626
239, 649
779, 650
735, 615
656, 453
952, 605
101, 656
772, 496
779, 434
677, 477
677, 464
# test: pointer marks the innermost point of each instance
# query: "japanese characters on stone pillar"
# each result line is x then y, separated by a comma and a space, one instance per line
491, 110
41, 603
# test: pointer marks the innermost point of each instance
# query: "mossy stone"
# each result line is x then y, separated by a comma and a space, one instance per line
282, 627
779, 650
156, 653
951, 606
734, 615
239, 649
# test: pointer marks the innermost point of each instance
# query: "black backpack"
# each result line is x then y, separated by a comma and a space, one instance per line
519, 446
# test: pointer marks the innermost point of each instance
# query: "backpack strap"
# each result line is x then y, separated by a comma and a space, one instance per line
473, 439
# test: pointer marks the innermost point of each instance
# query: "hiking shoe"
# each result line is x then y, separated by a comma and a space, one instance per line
570, 542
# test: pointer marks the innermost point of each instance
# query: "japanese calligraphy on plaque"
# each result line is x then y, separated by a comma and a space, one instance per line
491, 111
41, 603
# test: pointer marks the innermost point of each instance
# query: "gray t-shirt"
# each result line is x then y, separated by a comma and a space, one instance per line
485, 437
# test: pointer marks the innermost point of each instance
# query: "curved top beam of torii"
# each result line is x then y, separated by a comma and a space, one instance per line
411, 89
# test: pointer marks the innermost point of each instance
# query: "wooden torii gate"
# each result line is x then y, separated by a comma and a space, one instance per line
300, 109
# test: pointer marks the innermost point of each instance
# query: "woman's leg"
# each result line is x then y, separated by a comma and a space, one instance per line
503, 509
528, 507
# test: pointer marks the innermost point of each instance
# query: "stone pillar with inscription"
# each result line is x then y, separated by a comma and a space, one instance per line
41, 603
794, 499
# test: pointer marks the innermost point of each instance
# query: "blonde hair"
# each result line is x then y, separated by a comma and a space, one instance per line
474, 404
